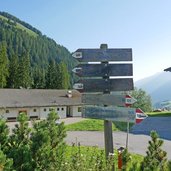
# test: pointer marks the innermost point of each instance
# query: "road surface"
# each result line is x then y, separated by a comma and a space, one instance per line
137, 143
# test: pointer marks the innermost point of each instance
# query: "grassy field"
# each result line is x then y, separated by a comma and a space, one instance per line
20, 26
161, 114
95, 125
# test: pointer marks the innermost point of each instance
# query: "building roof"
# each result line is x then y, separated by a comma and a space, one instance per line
168, 69
38, 98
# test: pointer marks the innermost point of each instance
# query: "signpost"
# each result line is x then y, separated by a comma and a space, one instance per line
105, 84
107, 99
109, 113
103, 54
104, 70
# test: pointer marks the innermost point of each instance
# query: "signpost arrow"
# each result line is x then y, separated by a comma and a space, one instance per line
129, 100
101, 70
108, 99
101, 85
92, 55
140, 116
110, 113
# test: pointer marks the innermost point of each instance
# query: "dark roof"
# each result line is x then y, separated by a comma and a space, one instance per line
37, 97
168, 69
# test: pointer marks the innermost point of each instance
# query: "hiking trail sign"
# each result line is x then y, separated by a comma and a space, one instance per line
102, 70
108, 99
110, 113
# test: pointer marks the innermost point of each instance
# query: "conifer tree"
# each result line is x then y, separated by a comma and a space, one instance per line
24, 71
3, 65
38, 78
13, 72
5, 163
65, 79
19, 145
51, 75
4, 133
156, 158
48, 144
58, 77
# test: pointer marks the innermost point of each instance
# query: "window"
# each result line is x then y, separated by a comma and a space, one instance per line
79, 109
34, 110
7, 111
58, 109
62, 108
51, 109
44, 109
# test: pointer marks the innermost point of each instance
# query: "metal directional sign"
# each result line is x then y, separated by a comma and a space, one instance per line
110, 113
100, 85
101, 70
92, 55
107, 99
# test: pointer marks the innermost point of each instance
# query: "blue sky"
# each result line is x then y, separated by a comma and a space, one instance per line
143, 25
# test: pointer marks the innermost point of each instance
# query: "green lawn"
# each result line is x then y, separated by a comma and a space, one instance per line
164, 114
95, 125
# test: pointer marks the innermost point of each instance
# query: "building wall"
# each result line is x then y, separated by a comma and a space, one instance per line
39, 112
33, 112
76, 111
61, 110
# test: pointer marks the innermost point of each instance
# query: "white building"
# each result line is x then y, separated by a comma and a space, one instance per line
37, 103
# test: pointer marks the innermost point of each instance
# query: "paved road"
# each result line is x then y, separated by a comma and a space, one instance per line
137, 143
162, 125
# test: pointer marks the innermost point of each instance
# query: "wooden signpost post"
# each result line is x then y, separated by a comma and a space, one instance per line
104, 70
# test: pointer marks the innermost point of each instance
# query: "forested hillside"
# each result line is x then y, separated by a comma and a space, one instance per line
30, 59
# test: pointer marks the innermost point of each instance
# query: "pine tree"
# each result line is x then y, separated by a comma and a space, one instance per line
53, 76
156, 158
50, 75
48, 144
5, 163
24, 71
38, 78
65, 79
4, 133
3, 65
13, 72
19, 145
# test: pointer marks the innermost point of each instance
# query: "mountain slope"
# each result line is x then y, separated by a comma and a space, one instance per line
20, 37
157, 86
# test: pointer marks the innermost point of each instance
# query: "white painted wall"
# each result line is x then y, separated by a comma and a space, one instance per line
75, 111
61, 110
40, 112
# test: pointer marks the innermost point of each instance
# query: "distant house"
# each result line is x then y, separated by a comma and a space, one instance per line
37, 103
168, 69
